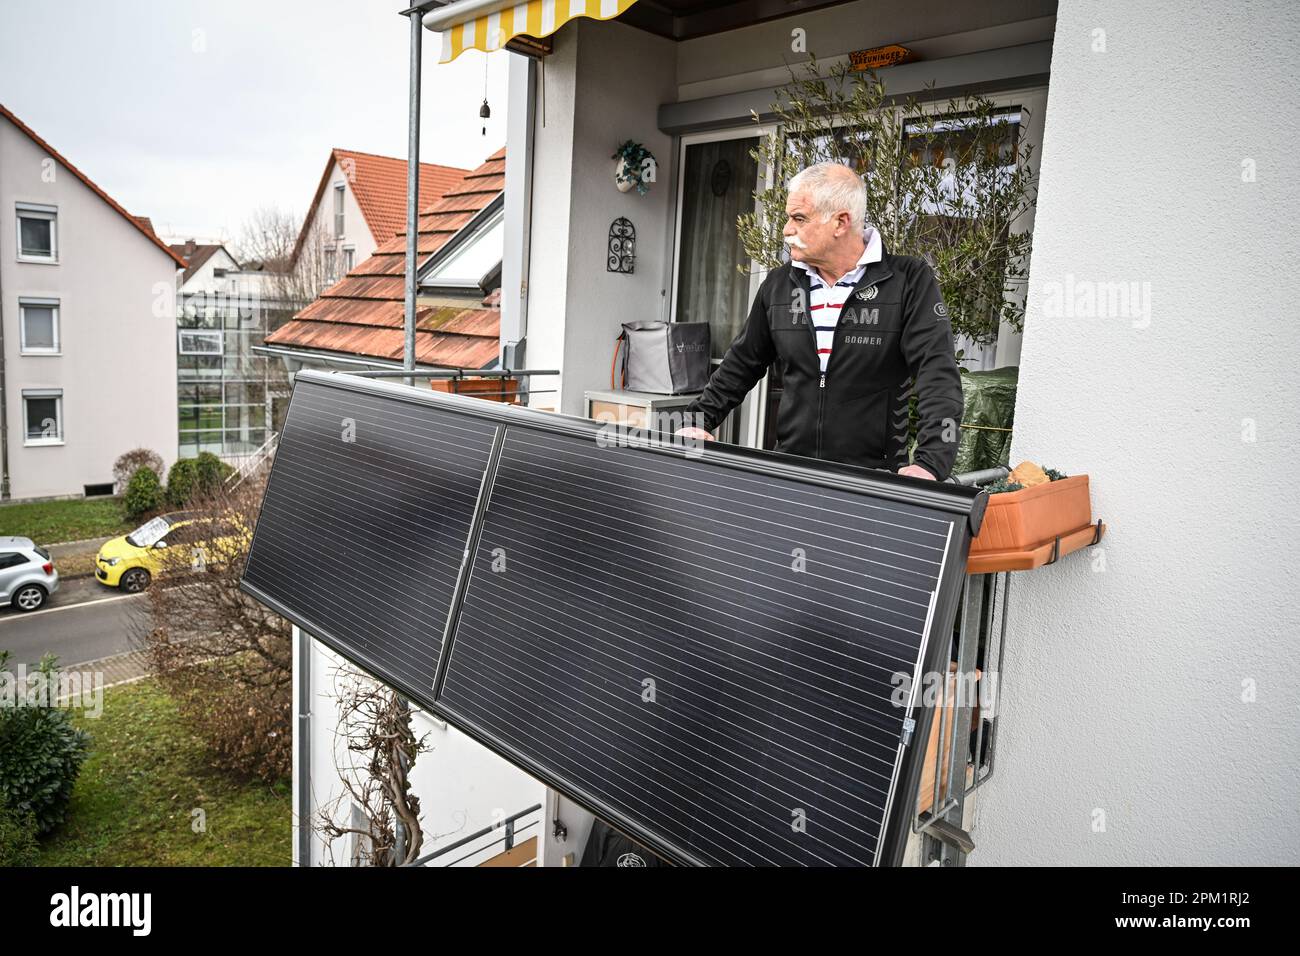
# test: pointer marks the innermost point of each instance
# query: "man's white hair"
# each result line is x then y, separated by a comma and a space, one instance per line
832, 191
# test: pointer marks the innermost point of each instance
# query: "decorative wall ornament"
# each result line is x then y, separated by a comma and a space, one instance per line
634, 165
622, 246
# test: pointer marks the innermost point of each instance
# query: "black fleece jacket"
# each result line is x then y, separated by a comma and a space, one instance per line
893, 336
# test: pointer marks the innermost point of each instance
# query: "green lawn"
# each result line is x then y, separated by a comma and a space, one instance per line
133, 803
49, 522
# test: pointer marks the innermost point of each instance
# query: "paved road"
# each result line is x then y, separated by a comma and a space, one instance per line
83, 621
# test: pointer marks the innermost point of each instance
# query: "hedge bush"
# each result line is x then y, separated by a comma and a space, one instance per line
41, 753
144, 493
212, 472
182, 482
132, 461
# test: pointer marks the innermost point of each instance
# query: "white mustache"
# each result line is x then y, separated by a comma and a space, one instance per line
795, 241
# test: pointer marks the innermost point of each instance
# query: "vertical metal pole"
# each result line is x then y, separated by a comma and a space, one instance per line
304, 808
412, 193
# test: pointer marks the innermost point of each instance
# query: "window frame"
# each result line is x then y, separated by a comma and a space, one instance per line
30, 210
340, 204
25, 302
204, 334
41, 393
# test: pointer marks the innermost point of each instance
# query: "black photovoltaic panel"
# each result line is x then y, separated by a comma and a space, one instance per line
363, 527
708, 652
701, 649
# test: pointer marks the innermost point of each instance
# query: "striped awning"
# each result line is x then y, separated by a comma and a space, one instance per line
489, 24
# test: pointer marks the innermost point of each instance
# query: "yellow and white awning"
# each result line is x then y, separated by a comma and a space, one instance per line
489, 24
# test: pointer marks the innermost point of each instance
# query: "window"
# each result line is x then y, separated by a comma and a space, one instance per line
97, 491
9, 559
199, 343
37, 233
338, 211
39, 326
480, 251
331, 274
43, 416
349, 257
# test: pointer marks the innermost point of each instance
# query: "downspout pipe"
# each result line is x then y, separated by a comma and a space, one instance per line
4, 410
412, 192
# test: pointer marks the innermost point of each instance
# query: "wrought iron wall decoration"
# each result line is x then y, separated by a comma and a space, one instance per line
622, 246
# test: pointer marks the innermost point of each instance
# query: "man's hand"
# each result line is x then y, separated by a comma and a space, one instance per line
916, 471
698, 434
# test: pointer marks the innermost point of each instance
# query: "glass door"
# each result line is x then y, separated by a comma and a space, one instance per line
717, 183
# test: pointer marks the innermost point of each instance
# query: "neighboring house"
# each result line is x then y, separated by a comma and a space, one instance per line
229, 398
360, 204
88, 318
1131, 668
359, 322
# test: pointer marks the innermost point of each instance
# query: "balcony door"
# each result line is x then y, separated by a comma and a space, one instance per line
717, 183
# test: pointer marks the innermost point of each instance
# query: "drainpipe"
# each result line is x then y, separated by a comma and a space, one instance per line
303, 809
4, 410
412, 190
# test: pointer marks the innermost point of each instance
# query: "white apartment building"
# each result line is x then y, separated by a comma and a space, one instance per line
88, 318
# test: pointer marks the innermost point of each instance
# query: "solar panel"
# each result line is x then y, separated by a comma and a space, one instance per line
364, 522
706, 651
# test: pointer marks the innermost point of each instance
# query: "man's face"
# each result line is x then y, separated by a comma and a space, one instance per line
810, 240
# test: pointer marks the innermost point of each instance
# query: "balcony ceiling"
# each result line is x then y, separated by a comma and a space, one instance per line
685, 19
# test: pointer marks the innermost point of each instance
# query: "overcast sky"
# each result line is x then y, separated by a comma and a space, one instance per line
196, 112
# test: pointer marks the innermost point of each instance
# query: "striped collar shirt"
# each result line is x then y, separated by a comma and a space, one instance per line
826, 301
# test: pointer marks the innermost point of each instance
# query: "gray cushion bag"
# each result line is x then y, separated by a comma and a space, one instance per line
671, 358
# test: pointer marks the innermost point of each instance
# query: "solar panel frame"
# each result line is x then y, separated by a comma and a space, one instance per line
965, 505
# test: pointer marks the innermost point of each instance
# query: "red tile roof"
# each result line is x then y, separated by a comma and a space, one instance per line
146, 231
362, 314
379, 185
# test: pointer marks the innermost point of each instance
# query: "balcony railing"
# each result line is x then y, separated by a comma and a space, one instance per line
474, 846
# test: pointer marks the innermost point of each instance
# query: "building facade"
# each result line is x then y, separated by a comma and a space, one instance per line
229, 398
87, 304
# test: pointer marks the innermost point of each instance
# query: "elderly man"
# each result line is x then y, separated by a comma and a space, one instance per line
855, 330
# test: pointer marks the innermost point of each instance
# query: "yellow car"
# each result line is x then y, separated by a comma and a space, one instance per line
171, 543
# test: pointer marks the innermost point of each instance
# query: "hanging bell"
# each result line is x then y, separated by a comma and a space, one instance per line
485, 112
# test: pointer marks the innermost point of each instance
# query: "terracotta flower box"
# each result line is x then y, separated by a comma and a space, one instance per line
1031, 517
493, 388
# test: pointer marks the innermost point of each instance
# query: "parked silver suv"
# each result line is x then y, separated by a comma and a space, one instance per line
27, 575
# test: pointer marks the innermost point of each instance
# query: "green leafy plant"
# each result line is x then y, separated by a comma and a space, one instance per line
211, 472
144, 493
1006, 484
637, 167
948, 182
182, 482
1003, 485
41, 752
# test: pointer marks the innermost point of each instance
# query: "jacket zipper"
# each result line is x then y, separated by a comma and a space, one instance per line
839, 322
821, 406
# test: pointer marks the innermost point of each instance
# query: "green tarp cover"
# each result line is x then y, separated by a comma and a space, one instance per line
990, 400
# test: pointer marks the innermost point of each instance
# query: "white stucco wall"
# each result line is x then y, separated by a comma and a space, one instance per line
1149, 681
576, 307
355, 231
463, 787
117, 329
